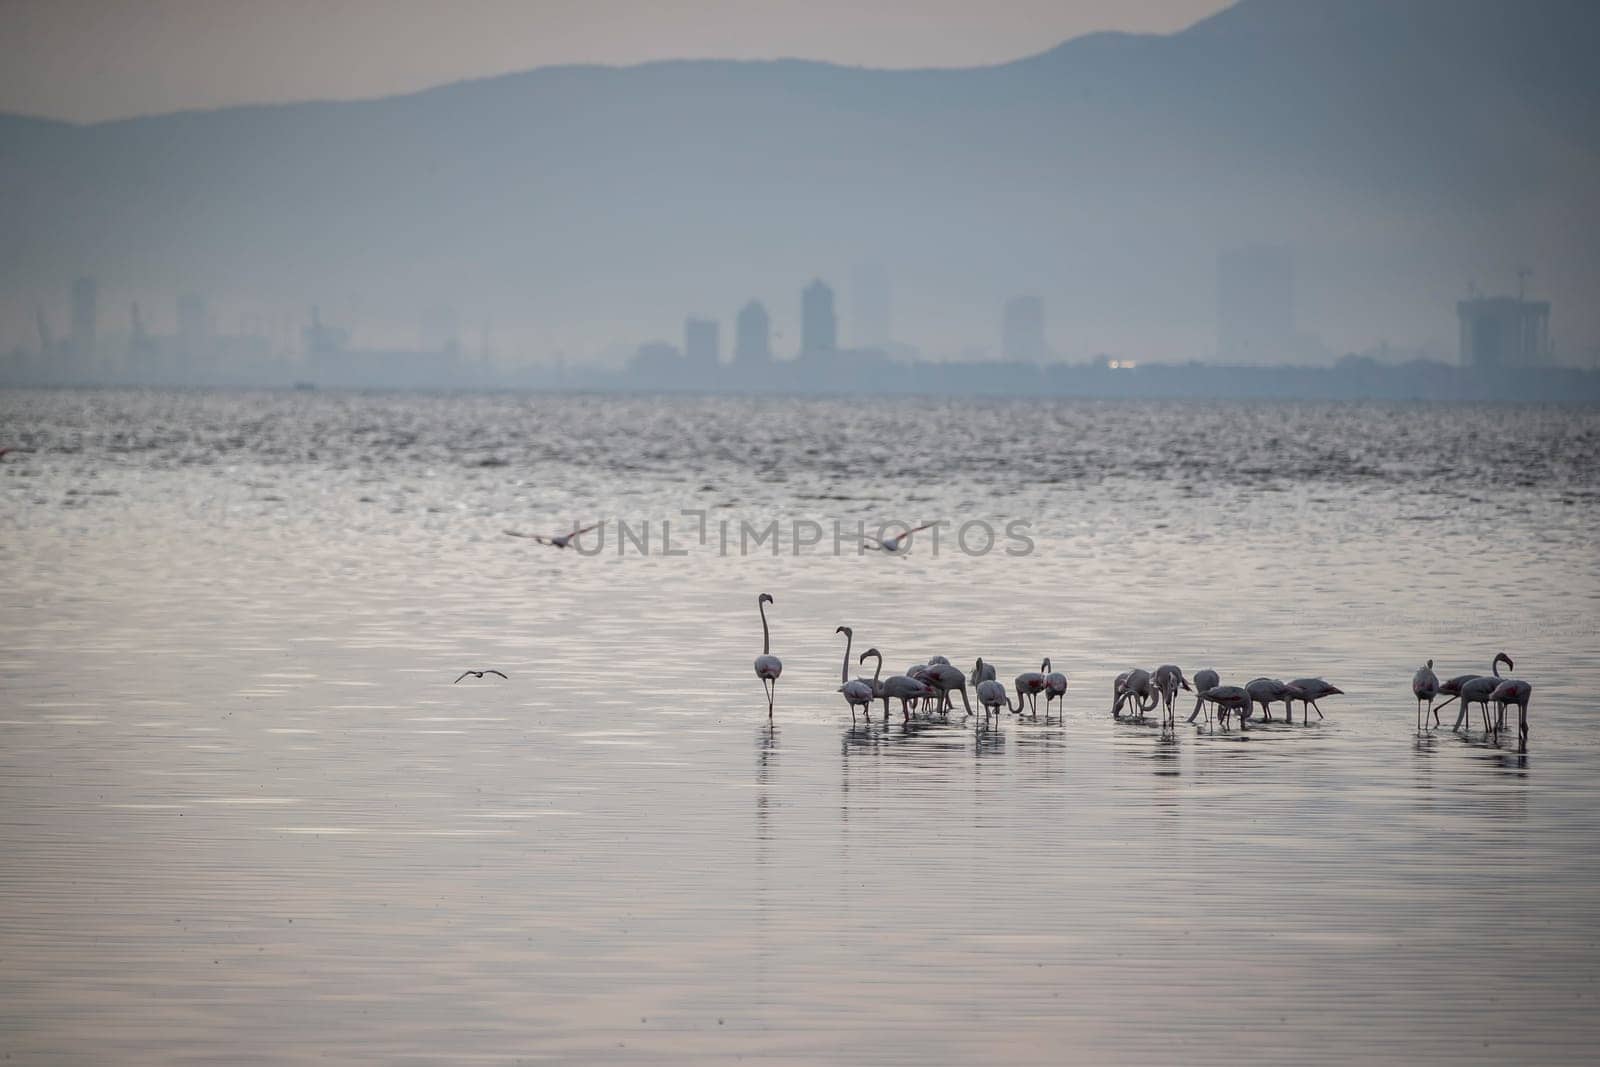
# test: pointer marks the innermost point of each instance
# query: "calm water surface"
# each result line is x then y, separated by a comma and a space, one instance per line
247, 817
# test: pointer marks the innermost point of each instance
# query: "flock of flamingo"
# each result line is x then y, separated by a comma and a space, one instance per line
929, 686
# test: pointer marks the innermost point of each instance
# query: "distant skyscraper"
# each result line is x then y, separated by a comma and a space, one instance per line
1255, 304
1022, 330
870, 306
702, 342
1504, 331
85, 294
819, 326
753, 340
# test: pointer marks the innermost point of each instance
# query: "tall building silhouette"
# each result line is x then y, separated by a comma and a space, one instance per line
819, 326
753, 335
1022, 330
702, 342
85, 295
1255, 304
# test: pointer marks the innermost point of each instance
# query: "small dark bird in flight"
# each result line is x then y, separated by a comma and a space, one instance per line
559, 541
478, 674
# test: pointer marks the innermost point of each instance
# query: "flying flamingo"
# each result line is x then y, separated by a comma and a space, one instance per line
1425, 686
857, 692
1203, 680
768, 666
569, 540
1055, 688
891, 545
1308, 691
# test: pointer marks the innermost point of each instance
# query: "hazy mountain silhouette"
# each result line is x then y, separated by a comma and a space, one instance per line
1402, 148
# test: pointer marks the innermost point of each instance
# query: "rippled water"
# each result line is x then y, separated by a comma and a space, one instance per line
246, 815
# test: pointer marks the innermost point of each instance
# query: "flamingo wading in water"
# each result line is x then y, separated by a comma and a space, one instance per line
768, 666
1425, 686
857, 692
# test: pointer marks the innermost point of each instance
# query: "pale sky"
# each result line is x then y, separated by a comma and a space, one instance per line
90, 60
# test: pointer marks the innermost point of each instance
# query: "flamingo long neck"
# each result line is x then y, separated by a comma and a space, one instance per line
844, 668
766, 637
878, 669
1044, 668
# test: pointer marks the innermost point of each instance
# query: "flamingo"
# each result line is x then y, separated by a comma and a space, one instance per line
768, 666
943, 678
1029, 685
1136, 683
1055, 688
1264, 691
1229, 698
1425, 686
857, 692
1450, 689
992, 697
982, 672
1168, 679
877, 676
905, 689
1481, 689
1203, 680
569, 540
1513, 691
1308, 691
891, 545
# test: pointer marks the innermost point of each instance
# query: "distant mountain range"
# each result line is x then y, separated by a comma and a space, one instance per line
1402, 148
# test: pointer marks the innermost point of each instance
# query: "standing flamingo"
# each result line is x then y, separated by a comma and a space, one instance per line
944, 678
768, 666
1136, 683
1425, 686
1029, 685
1308, 691
1513, 691
1168, 678
1203, 680
1264, 691
1479, 690
857, 692
1055, 688
1229, 698
992, 697
905, 689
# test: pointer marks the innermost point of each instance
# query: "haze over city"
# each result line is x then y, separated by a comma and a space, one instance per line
1117, 190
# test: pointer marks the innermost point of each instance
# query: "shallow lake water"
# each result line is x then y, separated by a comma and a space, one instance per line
248, 816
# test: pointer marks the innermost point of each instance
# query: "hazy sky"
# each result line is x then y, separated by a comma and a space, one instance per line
89, 60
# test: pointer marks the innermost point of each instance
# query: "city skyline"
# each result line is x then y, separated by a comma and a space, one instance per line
561, 216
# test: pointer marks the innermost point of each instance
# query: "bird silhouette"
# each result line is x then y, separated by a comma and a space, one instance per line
478, 674
568, 540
